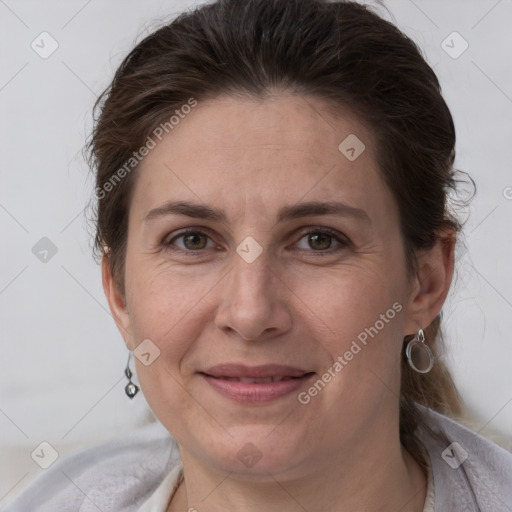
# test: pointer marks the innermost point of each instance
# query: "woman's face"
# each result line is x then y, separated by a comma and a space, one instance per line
266, 281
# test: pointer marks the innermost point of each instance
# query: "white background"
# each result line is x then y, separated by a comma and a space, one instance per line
62, 359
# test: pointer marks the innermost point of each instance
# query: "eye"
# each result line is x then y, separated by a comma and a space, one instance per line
321, 240
193, 241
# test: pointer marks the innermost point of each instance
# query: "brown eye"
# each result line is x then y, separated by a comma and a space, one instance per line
323, 240
191, 241
320, 241
194, 241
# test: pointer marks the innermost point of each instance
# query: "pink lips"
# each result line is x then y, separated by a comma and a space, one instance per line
257, 383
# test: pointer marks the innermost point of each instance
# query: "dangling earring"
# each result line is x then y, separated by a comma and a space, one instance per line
131, 389
418, 354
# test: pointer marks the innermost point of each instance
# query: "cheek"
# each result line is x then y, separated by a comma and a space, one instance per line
351, 299
167, 397
168, 308
360, 328
165, 312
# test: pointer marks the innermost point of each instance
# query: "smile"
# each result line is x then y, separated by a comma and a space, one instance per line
256, 390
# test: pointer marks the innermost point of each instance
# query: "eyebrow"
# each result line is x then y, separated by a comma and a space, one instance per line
286, 213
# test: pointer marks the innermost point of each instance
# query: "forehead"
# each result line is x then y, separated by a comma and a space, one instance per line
268, 152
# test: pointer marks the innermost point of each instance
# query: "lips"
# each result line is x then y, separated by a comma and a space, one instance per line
257, 384
256, 374
275, 378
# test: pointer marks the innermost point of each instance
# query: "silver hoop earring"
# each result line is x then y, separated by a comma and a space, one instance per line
418, 354
131, 389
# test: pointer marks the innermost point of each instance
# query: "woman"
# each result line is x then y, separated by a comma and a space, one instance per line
276, 244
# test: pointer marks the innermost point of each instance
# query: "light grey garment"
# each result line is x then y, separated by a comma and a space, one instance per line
115, 476
121, 474
482, 482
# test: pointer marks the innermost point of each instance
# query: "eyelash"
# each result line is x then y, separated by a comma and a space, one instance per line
342, 240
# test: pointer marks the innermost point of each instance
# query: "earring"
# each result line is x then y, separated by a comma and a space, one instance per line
418, 354
131, 389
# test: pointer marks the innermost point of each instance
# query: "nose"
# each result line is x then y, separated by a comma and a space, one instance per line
254, 301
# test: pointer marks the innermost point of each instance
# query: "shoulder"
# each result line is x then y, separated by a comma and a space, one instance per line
471, 473
119, 474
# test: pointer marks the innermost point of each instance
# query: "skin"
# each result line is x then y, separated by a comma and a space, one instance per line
293, 305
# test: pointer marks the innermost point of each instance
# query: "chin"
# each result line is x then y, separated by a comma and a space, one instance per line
259, 456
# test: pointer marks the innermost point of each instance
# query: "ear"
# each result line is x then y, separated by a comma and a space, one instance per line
117, 303
431, 284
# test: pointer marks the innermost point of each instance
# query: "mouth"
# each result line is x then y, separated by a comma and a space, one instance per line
255, 380
250, 388
266, 371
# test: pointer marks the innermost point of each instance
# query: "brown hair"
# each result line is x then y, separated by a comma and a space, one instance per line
340, 52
